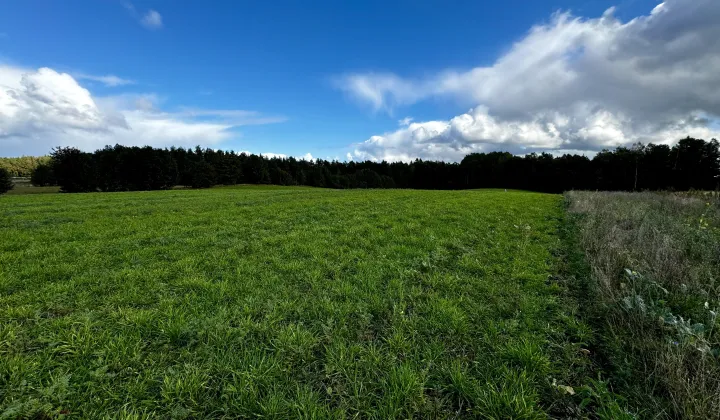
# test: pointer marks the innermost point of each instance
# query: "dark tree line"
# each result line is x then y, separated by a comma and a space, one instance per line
691, 164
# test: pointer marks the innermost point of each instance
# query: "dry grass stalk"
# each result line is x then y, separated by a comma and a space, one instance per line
655, 265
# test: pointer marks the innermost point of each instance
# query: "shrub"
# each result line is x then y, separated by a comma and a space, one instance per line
5, 182
43, 176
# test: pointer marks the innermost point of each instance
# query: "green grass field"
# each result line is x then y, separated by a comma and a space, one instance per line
282, 302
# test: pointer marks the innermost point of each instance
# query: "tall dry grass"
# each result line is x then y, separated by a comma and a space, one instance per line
653, 295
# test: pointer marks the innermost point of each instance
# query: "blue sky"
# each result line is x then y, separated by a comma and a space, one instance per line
301, 67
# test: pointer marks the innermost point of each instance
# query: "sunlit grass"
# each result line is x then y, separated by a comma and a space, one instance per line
280, 302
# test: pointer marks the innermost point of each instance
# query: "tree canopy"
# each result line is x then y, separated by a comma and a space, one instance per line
22, 166
690, 164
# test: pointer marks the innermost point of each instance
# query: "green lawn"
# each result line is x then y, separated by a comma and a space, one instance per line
280, 302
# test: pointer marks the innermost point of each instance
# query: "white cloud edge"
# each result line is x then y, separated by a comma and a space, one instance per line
109, 80
43, 108
572, 83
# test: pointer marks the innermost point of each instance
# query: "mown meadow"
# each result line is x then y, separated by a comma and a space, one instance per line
286, 302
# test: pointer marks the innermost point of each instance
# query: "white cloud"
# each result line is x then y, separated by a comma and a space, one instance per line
109, 80
152, 20
41, 109
382, 90
405, 121
587, 131
572, 83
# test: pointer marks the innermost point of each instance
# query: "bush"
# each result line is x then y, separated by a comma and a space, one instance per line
5, 182
43, 176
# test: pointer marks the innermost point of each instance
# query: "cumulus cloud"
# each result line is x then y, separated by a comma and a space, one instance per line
571, 83
586, 132
152, 20
41, 109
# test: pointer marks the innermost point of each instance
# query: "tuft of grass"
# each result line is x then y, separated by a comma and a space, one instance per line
283, 302
652, 292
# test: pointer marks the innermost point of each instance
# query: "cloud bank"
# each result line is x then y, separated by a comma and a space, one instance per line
572, 83
41, 109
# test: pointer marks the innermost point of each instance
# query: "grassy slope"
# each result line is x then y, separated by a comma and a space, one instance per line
280, 302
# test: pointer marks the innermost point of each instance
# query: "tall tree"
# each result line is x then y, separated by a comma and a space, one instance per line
75, 170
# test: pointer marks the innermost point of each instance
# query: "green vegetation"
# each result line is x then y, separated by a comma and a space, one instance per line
278, 302
5, 181
690, 164
25, 188
43, 175
651, 291
286, 302
22, 166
